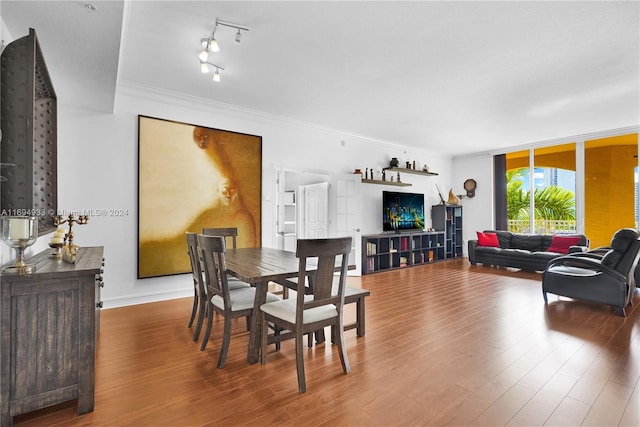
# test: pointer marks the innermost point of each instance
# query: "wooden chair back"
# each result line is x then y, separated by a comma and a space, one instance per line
326, 252
194, 259
226, 232
199, 296
212, 250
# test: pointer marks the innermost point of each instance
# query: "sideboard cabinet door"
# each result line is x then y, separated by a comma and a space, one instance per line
49, 334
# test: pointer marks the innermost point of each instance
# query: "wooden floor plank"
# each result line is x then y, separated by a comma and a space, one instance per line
446, 344
544, 403
608, 408
631, 415
569, 413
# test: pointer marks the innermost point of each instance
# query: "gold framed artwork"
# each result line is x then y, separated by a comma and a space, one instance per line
191, 177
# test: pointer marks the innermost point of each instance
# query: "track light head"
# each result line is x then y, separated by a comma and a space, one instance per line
213, 45
216, 76
204, 67
204, 55
238, 36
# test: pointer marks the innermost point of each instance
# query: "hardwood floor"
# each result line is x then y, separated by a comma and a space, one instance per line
446, 344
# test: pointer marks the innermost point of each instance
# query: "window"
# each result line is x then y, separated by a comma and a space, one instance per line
544, 192
551, 180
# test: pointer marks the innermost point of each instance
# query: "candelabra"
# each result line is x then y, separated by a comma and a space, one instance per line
81, 220
19, 232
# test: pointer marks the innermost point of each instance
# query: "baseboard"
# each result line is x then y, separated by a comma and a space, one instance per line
145, 298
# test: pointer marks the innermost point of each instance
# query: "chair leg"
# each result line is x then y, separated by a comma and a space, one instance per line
194, 309
201, 312
360, 317
341, 347
248, 322
226, 337
276, 332
302, 383
207, 333
544, 295
264, 332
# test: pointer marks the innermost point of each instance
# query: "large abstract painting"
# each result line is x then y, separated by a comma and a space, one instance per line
189, 178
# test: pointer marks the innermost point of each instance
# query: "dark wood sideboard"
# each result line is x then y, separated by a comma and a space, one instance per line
49, 322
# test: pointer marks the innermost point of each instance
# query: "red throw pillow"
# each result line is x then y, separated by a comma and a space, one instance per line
561, 244
488, 239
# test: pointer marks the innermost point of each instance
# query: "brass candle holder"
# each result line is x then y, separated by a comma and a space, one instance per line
69, 250
81, 220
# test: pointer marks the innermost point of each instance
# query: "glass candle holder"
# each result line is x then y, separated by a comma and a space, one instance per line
19, 232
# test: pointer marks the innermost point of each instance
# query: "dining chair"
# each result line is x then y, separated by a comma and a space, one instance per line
231, 304
232, 234
351, 295
308, 313
229, 233
200, 293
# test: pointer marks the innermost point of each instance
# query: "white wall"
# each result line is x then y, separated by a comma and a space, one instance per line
98, 170
477, 211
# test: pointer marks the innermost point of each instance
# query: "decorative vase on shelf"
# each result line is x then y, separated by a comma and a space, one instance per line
357, 171
394, 163
453, 199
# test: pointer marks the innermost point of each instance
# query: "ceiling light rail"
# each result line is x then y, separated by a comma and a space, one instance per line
210, 44
204, 68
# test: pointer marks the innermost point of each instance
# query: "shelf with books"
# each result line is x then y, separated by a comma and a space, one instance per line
390, 251
448, 219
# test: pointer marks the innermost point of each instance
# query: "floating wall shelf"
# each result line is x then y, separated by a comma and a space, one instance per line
413, 171
377, 181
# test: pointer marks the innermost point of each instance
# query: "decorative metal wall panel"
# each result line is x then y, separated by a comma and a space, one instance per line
28, 149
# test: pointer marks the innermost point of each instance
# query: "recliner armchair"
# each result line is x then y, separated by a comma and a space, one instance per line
607, 279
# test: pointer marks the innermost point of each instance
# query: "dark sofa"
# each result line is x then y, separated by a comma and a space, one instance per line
525, 251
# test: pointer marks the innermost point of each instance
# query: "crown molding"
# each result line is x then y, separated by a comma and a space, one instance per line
155, 94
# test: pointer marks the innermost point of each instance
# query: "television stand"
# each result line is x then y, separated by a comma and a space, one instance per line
397, 249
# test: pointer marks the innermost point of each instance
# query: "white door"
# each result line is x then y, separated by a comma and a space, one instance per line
345, 214
315, 215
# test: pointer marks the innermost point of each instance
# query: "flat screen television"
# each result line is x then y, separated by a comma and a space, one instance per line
402, 211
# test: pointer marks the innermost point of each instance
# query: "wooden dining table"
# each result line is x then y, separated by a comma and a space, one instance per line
258, 267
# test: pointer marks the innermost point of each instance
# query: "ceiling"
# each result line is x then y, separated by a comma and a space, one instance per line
452, 76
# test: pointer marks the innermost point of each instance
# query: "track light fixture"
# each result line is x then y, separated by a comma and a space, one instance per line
210, 44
